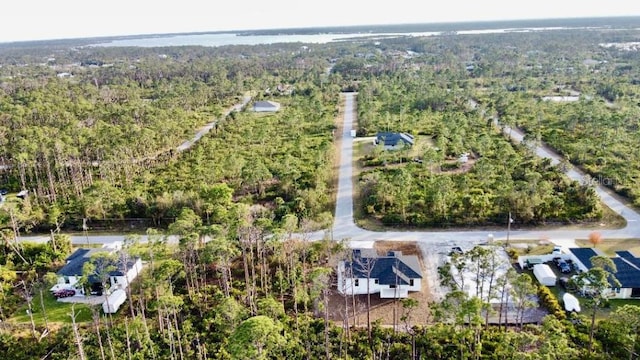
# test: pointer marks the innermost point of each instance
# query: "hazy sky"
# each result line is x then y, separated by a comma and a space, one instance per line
49, 19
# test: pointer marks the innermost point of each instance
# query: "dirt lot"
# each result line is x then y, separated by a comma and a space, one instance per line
384, 309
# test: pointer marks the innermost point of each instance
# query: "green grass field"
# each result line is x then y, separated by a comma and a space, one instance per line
57, 312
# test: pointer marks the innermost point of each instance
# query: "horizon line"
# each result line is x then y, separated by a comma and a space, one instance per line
307, 28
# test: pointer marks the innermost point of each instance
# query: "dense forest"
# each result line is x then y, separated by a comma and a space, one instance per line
92, 134
100, 142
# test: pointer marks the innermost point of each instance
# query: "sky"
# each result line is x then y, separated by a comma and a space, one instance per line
48, 19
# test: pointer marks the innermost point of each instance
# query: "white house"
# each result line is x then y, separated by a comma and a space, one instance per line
125, 270
266, 106
627, 268
392, 276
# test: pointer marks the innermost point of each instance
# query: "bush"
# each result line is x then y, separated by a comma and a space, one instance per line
513, 253
450, 166
549, 301
392, 219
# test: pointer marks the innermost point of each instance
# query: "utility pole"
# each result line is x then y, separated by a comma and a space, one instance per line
85, 229
509, 221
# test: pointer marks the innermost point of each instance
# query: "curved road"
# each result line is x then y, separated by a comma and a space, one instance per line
345, 228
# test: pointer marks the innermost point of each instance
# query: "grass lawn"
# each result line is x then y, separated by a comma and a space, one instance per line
533, 247
609, 247
611, 219
57, 312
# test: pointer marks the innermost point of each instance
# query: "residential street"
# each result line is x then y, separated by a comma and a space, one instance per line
189, 143
344, 226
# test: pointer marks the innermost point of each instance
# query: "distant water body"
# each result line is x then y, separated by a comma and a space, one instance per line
221, 39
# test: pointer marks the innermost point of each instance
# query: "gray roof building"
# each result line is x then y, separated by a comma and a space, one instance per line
76, 261
266, 106
391, 269
391, 139
627, 265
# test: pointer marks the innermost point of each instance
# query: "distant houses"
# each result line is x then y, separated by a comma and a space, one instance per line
394, 141
393, 275
266, 106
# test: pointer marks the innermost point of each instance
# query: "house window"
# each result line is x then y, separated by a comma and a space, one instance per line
410, 282
356, 283
376, 281
66, 280
392, 286
115, 280
617, 290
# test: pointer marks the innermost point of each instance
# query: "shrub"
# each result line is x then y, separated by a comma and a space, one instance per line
549, 301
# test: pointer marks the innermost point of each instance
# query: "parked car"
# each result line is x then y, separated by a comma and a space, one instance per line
64, 293
564, 267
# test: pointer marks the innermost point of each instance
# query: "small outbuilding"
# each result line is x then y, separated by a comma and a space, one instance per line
544, 274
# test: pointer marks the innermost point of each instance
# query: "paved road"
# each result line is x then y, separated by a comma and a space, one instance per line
189, 143
345, 228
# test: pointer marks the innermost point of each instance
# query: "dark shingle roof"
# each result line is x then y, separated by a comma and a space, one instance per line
627, 273
76, 261
629, 257
584, 255
392, 139
266, 104
391, 269
627, 265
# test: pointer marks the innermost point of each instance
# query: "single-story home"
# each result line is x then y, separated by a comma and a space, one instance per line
266, 106
627, 266
393, 275
394, 141
627, 270
123, 273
